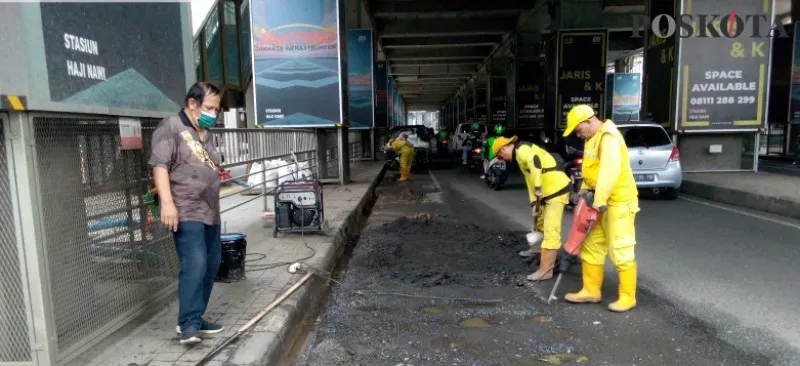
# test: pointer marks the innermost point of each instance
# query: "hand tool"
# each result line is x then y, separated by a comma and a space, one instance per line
583, 220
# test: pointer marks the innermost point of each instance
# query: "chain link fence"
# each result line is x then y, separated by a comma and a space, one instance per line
102, 257
14, 339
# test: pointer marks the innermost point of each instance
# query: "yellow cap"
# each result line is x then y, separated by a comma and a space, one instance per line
576, 115
502, 141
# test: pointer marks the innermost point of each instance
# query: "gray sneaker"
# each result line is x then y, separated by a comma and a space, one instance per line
206, 328
191, 336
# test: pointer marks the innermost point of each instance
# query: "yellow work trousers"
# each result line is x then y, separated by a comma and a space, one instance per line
549, 221
406, 159
615, 235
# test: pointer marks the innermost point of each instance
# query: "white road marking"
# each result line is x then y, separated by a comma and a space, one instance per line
742, 212
435, 181
435, 197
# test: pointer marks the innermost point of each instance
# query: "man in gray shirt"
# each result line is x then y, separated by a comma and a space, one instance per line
185, 170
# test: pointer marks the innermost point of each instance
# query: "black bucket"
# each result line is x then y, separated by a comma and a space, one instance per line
234, 250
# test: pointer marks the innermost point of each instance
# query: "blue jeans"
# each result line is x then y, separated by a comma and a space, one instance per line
199, 252
464, 152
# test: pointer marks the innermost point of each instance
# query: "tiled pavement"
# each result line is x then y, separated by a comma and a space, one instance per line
151, 340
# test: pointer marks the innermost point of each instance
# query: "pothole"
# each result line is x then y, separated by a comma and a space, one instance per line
475, 322
432, 310
564, 358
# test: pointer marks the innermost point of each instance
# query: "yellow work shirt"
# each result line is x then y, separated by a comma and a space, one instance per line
607, 169
399, 145
550, 182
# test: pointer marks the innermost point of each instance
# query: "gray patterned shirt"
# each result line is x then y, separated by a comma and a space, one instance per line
192, 166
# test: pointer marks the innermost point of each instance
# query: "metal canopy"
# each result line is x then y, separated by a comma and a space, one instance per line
434, 47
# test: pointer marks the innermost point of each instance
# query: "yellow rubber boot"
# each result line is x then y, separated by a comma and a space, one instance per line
627, 291
592, 285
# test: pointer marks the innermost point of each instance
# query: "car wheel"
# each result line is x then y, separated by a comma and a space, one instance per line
671, 193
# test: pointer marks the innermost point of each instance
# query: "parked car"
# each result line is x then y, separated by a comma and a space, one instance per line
654, 158
418, 135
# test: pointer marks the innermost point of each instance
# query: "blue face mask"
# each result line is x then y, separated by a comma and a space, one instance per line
206, 120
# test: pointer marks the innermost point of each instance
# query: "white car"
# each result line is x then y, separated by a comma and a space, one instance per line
462, 131
654, 158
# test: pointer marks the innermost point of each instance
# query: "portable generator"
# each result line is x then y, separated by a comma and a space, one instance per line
298, 207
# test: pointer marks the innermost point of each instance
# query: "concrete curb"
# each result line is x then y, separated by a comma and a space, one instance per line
784, 206
301, 303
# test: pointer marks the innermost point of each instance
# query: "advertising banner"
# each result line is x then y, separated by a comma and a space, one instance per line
92, 58
627, 99
359, 78
660, 76
530, 94
724, 87
498, 101
794, 102
381, 101
481, 94
297, 61
581, 72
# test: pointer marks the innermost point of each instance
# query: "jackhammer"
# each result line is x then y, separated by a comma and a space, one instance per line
583, 220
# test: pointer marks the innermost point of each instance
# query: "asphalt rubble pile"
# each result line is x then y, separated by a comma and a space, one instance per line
428, 250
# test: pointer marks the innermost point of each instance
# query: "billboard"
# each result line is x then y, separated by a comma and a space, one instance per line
390, 101
297, 63
627, 99
497, 104
103, 54
359, 78
481, 93
581, 72
530, 94
724, 88
794, 102
381, 99
660, 80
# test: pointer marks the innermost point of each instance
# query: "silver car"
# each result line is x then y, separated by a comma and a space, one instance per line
655, 159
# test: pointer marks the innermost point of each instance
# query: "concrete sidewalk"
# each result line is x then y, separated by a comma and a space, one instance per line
151, 340
774, 193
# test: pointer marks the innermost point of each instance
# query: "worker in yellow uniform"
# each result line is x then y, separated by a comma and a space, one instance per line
547, 184
405, 149
607, 171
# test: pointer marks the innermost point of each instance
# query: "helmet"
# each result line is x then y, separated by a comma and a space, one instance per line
474, 126
499, 129
576, 115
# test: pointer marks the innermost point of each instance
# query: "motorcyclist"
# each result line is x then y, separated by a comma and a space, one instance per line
549, 186
441, 139
607, 171
469, 141
405, 149
488, 152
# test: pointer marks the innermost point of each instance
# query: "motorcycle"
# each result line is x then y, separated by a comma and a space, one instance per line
475, 157
442, 148
496, 175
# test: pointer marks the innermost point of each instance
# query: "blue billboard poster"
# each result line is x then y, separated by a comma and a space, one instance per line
359, 78
297, 58
627, 98
794, 102
381, 101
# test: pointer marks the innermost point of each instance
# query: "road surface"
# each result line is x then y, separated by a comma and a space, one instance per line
718, 287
